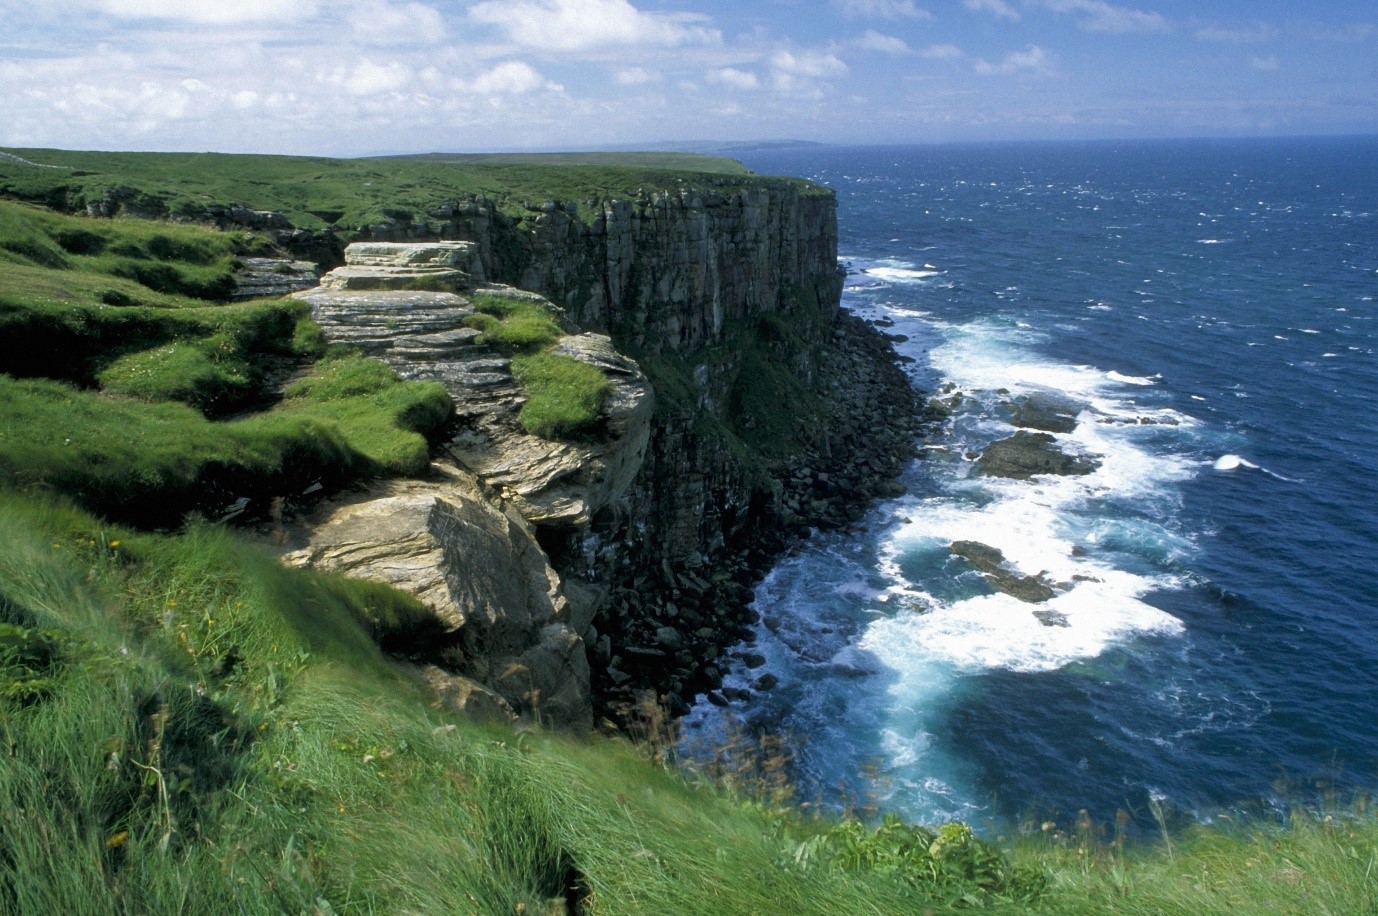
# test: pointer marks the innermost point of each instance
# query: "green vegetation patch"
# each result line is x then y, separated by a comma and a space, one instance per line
352, 194
513, 324
166, 258
564, 395
151, 462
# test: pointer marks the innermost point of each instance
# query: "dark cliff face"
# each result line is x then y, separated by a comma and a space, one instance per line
669, 270
683, 280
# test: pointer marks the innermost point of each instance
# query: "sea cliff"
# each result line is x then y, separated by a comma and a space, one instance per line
737, 406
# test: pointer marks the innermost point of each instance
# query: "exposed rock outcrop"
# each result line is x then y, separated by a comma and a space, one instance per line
776, 412
259, 278
484, 575
990, 562
1027, 454
1049, 411
436, 266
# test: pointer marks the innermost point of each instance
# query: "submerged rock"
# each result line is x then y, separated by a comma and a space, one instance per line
1027, 454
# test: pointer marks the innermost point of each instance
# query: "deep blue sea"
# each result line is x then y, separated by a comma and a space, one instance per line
1211, 307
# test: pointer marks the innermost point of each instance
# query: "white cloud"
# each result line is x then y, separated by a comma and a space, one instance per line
512, 77
801, 72
1100, 16
998, 7
942, 52
244, 99
634, 76
880, 43
1344, 34
582, 25
882, 9
737, 79
368, 78
1265, 63
375, 22
210, 12
1034, 60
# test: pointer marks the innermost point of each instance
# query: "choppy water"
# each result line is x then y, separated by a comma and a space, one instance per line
1212, 306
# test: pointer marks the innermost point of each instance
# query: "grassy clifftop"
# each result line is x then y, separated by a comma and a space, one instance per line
188, 727
348, 193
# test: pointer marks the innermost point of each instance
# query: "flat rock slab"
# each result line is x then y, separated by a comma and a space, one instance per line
439, 279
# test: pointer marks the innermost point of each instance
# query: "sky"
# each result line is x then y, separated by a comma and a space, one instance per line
358, 77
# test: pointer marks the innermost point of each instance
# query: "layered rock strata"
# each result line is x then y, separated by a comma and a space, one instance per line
463, 543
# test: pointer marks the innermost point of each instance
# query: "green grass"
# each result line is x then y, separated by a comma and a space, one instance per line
213, 733
514, 325
223, 735
160, 257
151, 462
564, 396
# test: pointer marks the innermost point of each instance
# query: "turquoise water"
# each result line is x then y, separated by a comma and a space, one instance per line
1210, 308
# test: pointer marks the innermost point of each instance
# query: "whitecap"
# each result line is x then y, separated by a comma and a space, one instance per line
900, 274
1232, 462
1235, 462
1130, 379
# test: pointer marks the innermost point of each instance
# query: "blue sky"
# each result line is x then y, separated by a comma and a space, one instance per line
349, 77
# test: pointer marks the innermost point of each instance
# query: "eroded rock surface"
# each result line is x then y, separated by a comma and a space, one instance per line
435, 266
264, 277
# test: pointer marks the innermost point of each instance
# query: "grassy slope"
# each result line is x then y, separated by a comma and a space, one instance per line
187, 727
116, 390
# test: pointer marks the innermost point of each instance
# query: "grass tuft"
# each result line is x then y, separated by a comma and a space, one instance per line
564, 396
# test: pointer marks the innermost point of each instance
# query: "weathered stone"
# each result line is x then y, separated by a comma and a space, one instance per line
392, 266
265, 277
1027, 454
482, 573
463, 695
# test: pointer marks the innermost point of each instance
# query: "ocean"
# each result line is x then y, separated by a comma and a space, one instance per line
1205, 310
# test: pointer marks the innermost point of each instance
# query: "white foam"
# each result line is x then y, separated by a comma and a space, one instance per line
998, 631
1208, 241
900, 274
1130, 379
1232, 463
